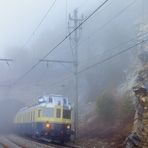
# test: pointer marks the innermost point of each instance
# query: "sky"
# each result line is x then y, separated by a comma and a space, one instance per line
110, 27
20, 18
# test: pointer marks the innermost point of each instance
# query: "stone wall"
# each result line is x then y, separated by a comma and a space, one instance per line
139, 136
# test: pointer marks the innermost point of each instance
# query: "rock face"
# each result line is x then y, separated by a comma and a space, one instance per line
139, 136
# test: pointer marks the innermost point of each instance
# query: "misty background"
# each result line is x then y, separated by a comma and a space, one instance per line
116, 23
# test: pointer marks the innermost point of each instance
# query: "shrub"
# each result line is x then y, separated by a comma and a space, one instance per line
106, 107
127, 108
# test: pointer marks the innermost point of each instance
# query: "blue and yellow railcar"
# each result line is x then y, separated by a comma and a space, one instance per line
49, 119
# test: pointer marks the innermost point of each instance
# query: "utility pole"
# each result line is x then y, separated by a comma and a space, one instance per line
6, 60
74, 38
73, 23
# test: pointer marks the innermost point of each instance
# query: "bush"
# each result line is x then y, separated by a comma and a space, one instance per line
127, 108
106, 107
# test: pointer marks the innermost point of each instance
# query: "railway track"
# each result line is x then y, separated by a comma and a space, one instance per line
53, 144
56, 145
25, 142
5, 142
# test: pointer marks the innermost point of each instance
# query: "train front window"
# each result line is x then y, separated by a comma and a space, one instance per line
50, 99
39, 113
49, 112
58, 113
66, 114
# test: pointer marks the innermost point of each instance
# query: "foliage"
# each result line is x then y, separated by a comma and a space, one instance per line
127, 107
106, 106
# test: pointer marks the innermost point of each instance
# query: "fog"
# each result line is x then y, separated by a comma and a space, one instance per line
102, 35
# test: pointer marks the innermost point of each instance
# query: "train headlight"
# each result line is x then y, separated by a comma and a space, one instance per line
47, 125
68, 126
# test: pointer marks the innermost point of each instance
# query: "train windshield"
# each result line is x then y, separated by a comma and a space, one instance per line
66, 114
49, 112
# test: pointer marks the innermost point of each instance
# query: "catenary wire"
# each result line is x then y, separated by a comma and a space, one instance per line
75, 30
105, 60
38, 62
39, 24
116, 54
104, 25
108, 22
117, 46
112, 56
100, 62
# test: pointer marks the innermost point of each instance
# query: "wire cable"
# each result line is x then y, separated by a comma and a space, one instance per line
99, 63
39, 24
108, 22
38, 62
111, 57
117, 46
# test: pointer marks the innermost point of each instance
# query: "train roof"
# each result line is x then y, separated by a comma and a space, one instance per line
48, 101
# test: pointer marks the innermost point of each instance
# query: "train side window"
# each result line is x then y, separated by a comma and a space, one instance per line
66, 114
58, 113
29, 116
33, 115
39, 113
23, 118
26, 117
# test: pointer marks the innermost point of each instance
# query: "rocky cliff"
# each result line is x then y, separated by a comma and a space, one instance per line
139, 135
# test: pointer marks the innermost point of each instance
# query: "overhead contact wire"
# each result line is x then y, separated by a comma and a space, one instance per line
35, 65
